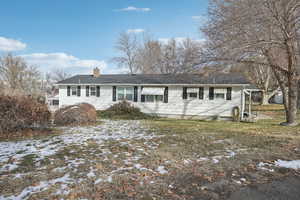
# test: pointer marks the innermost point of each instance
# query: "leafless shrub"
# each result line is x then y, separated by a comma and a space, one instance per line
20, 113
78, 114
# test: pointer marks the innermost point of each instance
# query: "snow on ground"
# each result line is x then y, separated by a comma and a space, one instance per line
39, 188
110, 130
294, 164
162, 170
120, 147
265, 166
123, 132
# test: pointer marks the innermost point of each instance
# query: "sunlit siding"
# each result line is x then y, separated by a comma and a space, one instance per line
176, 106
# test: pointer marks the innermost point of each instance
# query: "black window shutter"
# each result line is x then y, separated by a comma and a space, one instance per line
142, 96
184, 93
69, 91
211, 93
78, 91
166, 95
114, 93
201, 93
229, 93
87, 91
135, 95
98, 91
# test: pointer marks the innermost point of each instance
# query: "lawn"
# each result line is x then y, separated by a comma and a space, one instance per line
149, 159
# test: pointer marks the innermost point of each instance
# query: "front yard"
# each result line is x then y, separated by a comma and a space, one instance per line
150, 159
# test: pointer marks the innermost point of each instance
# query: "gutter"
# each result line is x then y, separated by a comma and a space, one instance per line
130, 84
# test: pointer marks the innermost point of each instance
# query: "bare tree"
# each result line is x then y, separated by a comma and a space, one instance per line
57, 75
170, 58
173, 57
262, 77
127, 45
240, 31
189, 56
18, 77
51, 78
149, 57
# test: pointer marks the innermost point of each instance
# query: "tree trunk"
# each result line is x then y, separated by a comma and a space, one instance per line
291, 113
298, 101
265, 98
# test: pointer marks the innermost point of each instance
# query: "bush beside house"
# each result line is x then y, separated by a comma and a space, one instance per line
123, 110
78, 114
18, 113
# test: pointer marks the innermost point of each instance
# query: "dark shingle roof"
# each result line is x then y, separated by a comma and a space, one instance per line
230, 78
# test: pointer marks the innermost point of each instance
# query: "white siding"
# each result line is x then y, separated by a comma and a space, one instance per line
175, 106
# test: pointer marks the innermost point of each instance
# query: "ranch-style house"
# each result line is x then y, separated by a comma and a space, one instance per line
167, 95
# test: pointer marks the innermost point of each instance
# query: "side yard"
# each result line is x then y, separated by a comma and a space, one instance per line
154, 159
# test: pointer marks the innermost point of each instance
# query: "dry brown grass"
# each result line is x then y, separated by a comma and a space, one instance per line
188, 150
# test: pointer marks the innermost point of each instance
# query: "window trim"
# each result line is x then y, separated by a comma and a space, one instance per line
155, 99
223, 93
95, 90
125, 89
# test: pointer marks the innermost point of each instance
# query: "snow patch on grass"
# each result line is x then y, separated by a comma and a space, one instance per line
42, 148
162, 170
28, 191
294, 164
265, 166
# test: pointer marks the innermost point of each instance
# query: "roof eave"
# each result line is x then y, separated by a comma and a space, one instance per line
158, 84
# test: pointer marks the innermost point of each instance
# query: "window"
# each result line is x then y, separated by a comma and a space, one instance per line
74, 91
220, 93
154, 98
153, 94
149, 98
192, 95
125, 93
219, 96
159, 98
55, 102
93, 91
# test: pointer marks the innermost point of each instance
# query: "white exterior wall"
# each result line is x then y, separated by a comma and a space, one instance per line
176, 106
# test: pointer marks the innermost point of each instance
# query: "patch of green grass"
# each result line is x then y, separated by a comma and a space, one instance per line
187, 138
123, 116
20, 152
28, 161
270, 107
264, 127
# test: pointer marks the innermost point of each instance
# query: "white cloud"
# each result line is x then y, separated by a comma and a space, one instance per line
200, 18
48, 61
167, 40
132, 8
116, 70
7, 44
179, 40
139, 30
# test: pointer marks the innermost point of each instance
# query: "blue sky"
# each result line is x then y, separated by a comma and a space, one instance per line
78, 35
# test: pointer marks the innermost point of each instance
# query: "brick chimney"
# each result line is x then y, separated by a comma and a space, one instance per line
96, 72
